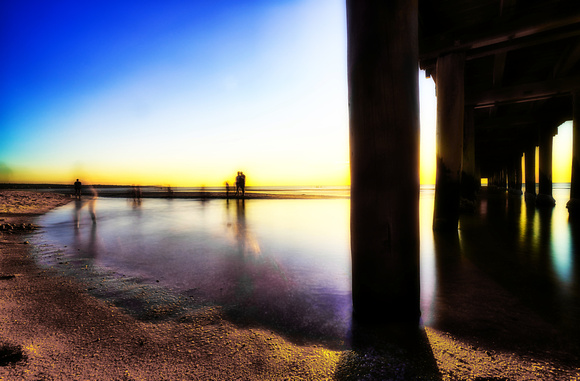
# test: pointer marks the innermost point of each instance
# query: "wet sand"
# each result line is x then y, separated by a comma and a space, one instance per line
52, 329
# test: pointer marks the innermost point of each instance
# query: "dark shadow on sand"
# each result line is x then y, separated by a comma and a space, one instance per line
387, 352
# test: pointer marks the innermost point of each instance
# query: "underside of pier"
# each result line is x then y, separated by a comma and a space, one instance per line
519, 65
506, 73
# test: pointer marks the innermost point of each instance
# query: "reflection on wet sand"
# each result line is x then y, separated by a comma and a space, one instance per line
508, 280
247, 256
259, 288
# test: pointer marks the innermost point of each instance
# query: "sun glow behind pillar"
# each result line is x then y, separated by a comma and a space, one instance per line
562, 154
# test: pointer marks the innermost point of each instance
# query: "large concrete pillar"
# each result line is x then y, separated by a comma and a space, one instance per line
511, 177
503, 178
574, 204
519, 174
469, 184
499, 178
515, 175
450, 108
544, 197
530, 171
384, 158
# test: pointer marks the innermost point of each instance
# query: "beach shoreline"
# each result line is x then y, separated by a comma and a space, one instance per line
51, 328
123, 191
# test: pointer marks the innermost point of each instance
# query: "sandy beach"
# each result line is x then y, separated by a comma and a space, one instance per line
51, 328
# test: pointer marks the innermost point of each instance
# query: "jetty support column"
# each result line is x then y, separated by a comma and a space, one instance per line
384, 159
449, 139
515, 175
544, 197
469, 183
530, 171
519, 174
574, 204
511, 174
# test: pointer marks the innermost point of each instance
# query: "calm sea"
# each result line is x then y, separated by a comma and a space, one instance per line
285, 264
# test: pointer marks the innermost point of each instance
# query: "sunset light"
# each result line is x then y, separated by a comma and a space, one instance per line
184, 94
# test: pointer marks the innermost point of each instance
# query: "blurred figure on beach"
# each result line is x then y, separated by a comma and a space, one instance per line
92, 203
243, 183
78, 187
237, 185
91, 206
240, 184
136, 193
227, 190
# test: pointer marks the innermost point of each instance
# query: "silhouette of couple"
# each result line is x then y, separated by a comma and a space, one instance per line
78, 186
240, 184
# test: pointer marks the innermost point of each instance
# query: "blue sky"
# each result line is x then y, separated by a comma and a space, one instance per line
182, 93
174, 91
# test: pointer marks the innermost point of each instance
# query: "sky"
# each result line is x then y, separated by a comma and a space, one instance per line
180, 93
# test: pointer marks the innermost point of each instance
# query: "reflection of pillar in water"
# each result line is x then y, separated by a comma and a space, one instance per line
447, 254
529, 224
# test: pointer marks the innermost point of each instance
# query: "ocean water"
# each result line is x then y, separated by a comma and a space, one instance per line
285, 264
279, 263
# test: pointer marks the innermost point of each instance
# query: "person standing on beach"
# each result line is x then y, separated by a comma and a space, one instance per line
78, 186
237, 184
243, 183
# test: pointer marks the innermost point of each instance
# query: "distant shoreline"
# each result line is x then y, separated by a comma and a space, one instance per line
126, 191
208, 193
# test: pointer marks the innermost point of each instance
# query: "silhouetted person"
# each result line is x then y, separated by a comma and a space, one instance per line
238, 184
78, 186
227, 190
243, 183
136, 193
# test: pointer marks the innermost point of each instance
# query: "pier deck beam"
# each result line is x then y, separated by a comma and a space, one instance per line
384, 159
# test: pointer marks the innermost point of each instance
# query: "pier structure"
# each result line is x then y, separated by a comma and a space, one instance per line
506, 78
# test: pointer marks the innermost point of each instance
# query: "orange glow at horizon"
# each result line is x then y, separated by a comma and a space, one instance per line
316, 166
